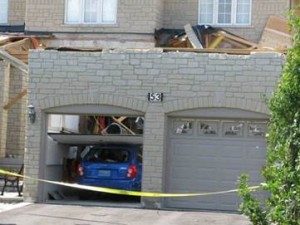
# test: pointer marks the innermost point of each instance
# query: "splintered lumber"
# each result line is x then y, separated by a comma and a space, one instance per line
15, 99
119, 121
232, 51
192, 36
35, 42
276, 34
236, 39
16, 44
14, 61
4, 40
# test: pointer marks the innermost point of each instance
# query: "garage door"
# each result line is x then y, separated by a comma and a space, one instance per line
209, 155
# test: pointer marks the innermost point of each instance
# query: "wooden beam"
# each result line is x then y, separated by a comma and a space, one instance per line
35, 42
16, 44
15, 99
120, 119
225, 51
216, 42
14, 61
4, 40
237, 39
237, 44
122, 125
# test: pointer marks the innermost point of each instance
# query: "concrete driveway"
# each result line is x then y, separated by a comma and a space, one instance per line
50, 214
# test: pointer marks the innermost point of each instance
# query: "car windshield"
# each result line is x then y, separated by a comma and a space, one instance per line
107, 155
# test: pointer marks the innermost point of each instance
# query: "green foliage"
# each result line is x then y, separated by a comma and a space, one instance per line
282, 170
250, 206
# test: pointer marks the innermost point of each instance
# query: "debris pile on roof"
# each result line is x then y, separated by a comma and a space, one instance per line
18, 46
276, 37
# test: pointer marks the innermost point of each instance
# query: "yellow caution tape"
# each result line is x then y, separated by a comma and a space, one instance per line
124, 192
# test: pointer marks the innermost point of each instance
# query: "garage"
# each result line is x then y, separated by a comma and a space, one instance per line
74, 135
208, 154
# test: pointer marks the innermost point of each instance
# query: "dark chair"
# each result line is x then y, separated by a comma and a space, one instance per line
14, 181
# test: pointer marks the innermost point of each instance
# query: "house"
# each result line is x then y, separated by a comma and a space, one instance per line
204, 116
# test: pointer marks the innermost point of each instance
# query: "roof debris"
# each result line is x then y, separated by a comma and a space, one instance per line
276, 37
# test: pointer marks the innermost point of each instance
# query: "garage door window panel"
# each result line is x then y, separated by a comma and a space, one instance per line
225, 12
183, 127
208, 128
91, 11
3, 11
233, 129
256, 129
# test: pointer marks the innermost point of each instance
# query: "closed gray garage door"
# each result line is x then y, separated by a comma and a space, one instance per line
209, 155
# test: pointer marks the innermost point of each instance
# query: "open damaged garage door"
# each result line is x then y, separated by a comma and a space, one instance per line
93, 149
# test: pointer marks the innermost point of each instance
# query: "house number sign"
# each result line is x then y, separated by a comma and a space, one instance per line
155, 97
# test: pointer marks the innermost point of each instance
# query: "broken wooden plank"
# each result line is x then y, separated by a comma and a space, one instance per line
14, 61
4, 40
235, 44
124, 126
237, 39
16, 44
35, 42
15, 99
22, 55
120, 119
224, 51
192, 36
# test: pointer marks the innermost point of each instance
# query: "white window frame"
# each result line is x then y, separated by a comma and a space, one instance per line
100, 19
4, 11
233, 14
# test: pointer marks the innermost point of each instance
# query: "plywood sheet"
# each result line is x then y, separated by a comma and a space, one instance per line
276, 34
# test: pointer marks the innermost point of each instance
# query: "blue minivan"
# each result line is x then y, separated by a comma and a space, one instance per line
116, 166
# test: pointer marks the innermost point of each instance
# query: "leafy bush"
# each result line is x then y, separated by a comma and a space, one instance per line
282, 170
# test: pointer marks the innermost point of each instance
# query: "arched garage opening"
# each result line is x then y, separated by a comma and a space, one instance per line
72, 133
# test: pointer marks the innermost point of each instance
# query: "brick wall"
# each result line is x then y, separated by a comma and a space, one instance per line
12, 120
16, 116
136, 16
16, 12
124, 77
178, 13
159, 10
4, 95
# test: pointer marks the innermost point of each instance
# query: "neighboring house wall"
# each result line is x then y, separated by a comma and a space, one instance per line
16, 115
16, 13
178, 13
4, 95
12, 120
133, 16
124, 77
159, 13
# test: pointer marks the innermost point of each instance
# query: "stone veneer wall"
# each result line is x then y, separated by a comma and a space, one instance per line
16, 12
124, 77
4, 88
16, 115
133, 16
12, 120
